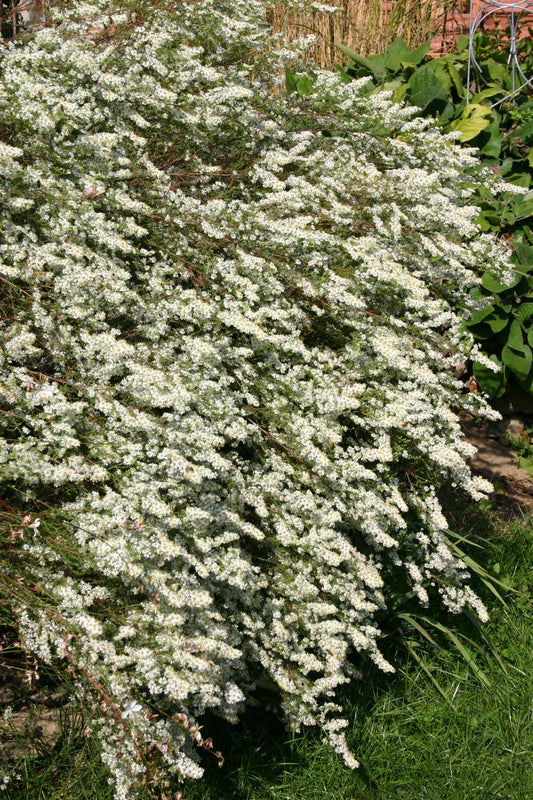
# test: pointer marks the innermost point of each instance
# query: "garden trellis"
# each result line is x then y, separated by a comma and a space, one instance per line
517, 13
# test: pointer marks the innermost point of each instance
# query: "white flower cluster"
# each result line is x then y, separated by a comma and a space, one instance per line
225, 366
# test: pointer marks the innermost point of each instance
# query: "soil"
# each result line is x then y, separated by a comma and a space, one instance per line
498, 462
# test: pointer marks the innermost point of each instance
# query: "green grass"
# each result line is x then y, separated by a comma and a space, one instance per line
411, 743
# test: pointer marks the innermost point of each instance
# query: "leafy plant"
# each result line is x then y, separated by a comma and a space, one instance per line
504, 136
523, 445
505, 325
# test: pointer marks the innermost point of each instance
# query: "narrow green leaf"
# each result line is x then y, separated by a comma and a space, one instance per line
465, 653
420, 628
456, 78
411, 648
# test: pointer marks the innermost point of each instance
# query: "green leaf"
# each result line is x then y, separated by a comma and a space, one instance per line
527, 383
499, 321
374, 65
425, 82
493, 383
454, 638
434, 97
524, 255
515, 338
345, 78
417, 56
525, 132
524, 313
396, 53
486, 94
526, 464
475, 118
304, 85
518, 361
494, 146
498, 72
490, 283
520, 179
523, 209
530, 157
411, 648
457, 82
479, 316
401, 91
447, 113
506, 165
442, 74
290, 81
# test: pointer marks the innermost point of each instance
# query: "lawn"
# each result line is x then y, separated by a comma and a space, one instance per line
411, 741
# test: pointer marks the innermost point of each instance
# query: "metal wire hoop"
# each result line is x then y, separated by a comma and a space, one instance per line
514, 10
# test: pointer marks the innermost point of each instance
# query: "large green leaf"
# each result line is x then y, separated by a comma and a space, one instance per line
525, 312
480, 316
493, 383
515, 338
426, 87
524, 255
492, 285
523, 207
374, 65
396, 54
304, 85
493, 147
518, 361
417, 56
475, 118
498, 321
525, 132
442, 73
498, 72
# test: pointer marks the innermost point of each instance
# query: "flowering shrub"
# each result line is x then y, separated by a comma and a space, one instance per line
226, 385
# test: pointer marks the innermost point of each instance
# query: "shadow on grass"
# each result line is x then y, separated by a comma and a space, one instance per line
413, 743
